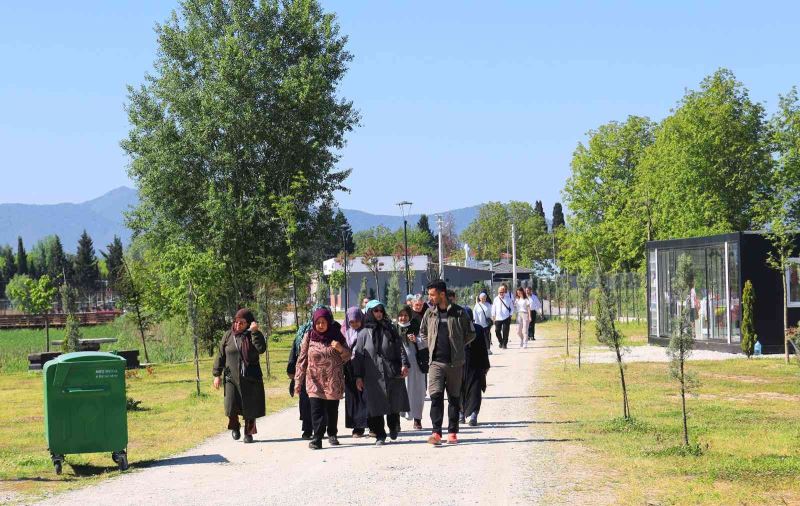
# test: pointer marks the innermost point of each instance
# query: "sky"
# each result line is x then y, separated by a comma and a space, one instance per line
462, 102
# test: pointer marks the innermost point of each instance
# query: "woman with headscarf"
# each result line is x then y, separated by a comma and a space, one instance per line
476, 365
323, 354
355, 402
303, 404
416, 381
418, 306
380, 366
237, 365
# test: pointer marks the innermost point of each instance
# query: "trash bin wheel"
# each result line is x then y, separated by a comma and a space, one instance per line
57, 465
58, 461
121, 458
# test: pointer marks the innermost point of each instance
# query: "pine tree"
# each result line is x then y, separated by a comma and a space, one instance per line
87, 272
9, 265
393, 303
22, 258
57, 264
323, 294
362, 290
749, 336
558, 216
340, 223
424, 226
72, 330
539, 208
681, 342
114, 258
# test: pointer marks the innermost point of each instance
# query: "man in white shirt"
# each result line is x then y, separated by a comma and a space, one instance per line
536, 308
502, 307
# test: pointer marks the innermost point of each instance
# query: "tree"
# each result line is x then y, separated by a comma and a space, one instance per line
599, 197
393, 301
323, 295
243, 99
114, 257
539, 207
429, 240
342, 227
707, 161
58, 266
681, 342
608, 334
22, 257
9, 267
86, 271
72, 330
362, 290
777, 205
490, 233
749, 336
558, 216
370, 259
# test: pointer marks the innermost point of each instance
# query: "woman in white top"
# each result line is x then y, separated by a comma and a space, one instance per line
481, 315
522, 306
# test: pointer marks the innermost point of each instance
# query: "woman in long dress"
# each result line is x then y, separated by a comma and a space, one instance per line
355, 401
476, 365
416, 381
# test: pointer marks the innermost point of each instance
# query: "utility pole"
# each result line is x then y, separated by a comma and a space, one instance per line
513, 257
439, 222
402, 206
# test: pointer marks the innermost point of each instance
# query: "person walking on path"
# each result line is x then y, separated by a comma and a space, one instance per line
502, 307
380, 367
323, 354
419, 307
355, 402
476, 365
522, 306
303, 404
447, 329
481, 314
238, 364
536, 309
416, 350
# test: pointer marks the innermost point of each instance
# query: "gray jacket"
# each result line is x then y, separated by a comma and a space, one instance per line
459, 325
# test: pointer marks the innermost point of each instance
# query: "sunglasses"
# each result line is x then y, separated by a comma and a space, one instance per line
378, 310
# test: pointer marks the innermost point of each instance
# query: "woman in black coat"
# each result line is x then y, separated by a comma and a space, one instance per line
237, 363
380, 367
476, 365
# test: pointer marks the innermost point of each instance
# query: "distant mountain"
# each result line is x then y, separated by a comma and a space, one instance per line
103, 218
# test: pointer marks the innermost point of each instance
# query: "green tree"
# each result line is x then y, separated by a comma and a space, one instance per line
362, 291
323, 295
558, 216
72, 330
749, 336
429, 241
608, 334
539, 207
489, 235
86, 271
22, 257
9, 266
114, 257
707, 160
344, 232
681, 342
604, 212
393, 293
58, 266
243, 99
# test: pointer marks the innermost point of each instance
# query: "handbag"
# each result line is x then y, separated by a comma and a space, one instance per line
423, 358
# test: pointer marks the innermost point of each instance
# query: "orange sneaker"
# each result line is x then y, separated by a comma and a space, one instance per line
435, 439
452, 439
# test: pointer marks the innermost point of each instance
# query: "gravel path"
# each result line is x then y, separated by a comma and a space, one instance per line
507, 459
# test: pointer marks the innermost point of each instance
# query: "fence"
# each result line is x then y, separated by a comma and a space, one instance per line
561, 295
15, 321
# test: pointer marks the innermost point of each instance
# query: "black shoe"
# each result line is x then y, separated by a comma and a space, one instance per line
235, 434
473, 421
393, 435
315, 445
333, 441
461, 418
306, 434
248, 438
380, 442
358, 433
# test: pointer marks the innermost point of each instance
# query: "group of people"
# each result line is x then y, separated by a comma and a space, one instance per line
384, 369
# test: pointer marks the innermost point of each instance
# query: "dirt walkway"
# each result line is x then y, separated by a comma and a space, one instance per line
507, 459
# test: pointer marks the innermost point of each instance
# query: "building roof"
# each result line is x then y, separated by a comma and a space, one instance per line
387, 264
505, 268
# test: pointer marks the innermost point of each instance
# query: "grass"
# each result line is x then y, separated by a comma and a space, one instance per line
15, 345
635, 333
170, 418
743, 425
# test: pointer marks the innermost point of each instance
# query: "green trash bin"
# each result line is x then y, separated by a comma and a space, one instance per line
85, 407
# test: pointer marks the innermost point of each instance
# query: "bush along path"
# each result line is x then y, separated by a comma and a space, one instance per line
509, 458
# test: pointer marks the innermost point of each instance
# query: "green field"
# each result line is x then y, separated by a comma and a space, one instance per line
172, 418
743, 421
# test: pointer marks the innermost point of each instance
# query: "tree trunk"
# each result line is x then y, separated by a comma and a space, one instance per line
683, 403
625, 408
580, 327
47, 331
140, 323
785, 322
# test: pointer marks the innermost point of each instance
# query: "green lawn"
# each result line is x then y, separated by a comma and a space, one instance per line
173, 418
744, 418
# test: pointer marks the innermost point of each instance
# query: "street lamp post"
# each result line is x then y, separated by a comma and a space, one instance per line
346, 286
402, 206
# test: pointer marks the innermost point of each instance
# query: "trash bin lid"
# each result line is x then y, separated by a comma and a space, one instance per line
86, 356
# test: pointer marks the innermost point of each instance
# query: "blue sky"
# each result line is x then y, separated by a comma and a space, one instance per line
462, 102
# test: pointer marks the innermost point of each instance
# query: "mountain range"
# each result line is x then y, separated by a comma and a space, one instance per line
103, 218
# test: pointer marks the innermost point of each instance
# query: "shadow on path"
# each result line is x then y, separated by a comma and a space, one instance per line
91, 470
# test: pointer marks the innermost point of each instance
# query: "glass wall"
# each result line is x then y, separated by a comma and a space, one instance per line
713, 279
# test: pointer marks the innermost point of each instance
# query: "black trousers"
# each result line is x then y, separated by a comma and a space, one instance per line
532, 326
375, 424
305, 410
501, 329
324, 415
